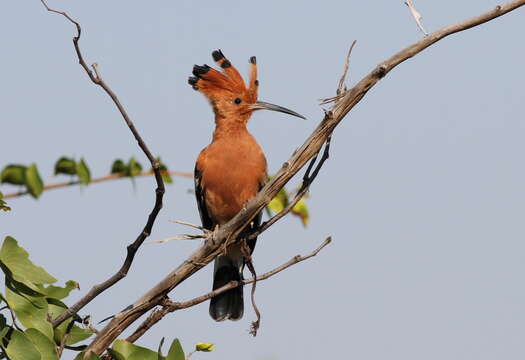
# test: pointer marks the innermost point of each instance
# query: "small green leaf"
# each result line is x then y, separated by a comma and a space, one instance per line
204, 346
279, 202
119, 167
66, 165
176, 352
84, 175
58, 292
3, 204
13, 174
301, 209
20, 347
133, 352
134, 167
34, 183
16, 259
45, 345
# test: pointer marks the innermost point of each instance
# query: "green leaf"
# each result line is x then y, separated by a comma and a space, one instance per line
134, 167
279, 202
3, 333
176, 352
204, 346
76, 334
13, 174
66, 165
34, 183
58, 292
84, 175
45, 345
20, 347
16, 259
119, 167
114, 355
31, 311
301, 209
3, 204
133, 352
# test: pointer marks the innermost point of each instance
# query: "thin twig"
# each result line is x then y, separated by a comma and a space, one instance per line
170, 306
159, 191
245, 250
416, 15
341, 88
179, 237
99, 180
198, 227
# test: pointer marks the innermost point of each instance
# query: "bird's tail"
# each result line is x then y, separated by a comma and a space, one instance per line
230, 304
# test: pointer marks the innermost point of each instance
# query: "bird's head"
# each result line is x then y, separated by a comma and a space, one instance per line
227, 92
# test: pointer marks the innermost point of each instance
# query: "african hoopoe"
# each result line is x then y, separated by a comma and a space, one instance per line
229, 171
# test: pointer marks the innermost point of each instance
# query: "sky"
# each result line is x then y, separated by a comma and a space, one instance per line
422, 195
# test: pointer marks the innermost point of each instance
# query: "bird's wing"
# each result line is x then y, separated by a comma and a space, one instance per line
207, 221
256, 222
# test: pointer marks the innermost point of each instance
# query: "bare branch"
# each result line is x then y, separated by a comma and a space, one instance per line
170, 306
416, 15
159, 191
341, 88
99, 180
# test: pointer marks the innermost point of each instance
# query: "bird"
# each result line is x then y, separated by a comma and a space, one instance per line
230, 170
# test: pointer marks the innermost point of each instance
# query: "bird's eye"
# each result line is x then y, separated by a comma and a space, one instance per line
237, 101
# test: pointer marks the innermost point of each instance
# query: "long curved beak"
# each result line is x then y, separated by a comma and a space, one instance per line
258, 105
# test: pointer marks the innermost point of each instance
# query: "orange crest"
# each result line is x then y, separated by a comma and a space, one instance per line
226, 86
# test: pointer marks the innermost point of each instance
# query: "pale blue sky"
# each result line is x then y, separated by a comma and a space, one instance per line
423, 193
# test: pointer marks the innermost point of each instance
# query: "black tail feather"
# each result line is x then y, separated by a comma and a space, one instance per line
230, 304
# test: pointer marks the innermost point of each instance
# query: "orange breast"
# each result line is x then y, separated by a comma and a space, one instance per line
233, 171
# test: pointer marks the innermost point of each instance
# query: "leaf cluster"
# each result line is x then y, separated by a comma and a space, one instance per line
33, 301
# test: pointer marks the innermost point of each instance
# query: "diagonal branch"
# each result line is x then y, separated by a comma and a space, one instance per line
169, 306
159, 191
